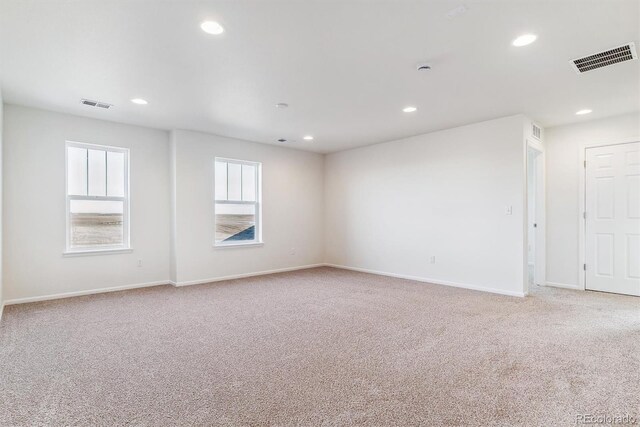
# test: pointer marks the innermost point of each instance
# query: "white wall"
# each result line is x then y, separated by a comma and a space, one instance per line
391, 206
292, 211
171, 207
292, 187
34, 209
563, 168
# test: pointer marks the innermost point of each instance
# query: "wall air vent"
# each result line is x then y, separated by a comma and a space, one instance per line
98, 104
618, 54
536, 131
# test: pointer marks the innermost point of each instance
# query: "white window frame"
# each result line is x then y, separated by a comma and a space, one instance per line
102, 249
257, 241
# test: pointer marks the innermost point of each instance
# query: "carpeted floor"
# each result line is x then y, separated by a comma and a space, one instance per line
320, 347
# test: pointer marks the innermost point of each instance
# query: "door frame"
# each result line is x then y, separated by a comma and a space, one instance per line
582, 204
540, 244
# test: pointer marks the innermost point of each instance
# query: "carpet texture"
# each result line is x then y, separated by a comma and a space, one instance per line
319, 347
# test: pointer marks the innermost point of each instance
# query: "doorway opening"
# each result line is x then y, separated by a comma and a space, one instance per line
535, 271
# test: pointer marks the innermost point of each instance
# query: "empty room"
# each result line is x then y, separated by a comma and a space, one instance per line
319, 213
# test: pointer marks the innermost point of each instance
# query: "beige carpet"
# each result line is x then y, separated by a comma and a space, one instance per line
320, 347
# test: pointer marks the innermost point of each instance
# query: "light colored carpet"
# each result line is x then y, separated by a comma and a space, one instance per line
319, 347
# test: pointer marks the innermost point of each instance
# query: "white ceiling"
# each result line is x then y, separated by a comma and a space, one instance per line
346, 68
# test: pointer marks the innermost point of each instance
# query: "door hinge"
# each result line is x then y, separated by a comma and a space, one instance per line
584, 267
585, 163
584, 215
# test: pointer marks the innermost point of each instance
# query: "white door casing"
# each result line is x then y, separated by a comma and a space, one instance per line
535, 251
612, 202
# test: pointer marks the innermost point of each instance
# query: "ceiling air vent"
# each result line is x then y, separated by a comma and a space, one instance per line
98, 104
623, 53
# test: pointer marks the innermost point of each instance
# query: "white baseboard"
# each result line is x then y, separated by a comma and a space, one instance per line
564, 286
81, 293
261, 273
1, 310
148, 284
434, 281
240, 276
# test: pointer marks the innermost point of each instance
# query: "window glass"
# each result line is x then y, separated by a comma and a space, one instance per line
115, 174
249, 183
95, 223
97, 173
235, 222
235, 181
77, 171
221, 180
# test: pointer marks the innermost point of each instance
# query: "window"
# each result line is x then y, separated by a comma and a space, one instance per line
237, 206
97, 198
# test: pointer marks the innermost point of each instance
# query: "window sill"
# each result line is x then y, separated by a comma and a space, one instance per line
237, 245
97, 252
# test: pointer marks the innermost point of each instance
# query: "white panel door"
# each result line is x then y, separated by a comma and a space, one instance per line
613, 218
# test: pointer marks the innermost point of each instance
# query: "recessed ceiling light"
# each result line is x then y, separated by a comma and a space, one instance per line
524, 40
582, 112
409, 109
139, 101
212, 27
308, 138
281, 105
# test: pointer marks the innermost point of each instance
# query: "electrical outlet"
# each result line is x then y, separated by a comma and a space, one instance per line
292, 251
508, 210
432, 260
139, 263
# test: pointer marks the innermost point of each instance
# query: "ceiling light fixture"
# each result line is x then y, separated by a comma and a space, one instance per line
308, 138
409, 109
212, 27
282, 140
583, 112
524, 40
139, 101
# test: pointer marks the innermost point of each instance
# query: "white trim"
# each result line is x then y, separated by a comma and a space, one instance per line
1, 311
240, 244
582, 189
82, 293
433, 281
149, 284
237, 161
241, 276
564, 286
97, 252
91, 146
97, 198
235, 202
540, 245
258, 273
